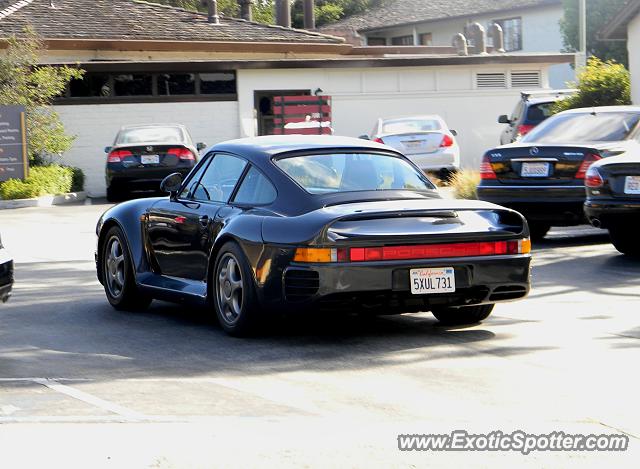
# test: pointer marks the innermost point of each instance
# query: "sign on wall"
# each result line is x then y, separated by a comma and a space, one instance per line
13, 143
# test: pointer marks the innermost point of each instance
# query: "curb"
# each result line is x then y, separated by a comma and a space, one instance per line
44, 201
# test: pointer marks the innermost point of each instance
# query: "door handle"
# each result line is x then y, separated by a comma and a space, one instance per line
204, 220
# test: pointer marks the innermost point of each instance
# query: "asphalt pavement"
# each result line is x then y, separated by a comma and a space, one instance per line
83, 385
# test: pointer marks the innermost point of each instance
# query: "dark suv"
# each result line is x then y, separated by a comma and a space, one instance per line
533, 108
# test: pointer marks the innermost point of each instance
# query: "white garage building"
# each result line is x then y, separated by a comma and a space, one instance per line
149, 63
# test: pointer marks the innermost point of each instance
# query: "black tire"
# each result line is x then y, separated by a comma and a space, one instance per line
233, 293
117, 274
624, 239
455, 316
538, 230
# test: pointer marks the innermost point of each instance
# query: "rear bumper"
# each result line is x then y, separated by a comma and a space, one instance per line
558, 205
149, 179
606, 212
448, 159
6, 278
385, 285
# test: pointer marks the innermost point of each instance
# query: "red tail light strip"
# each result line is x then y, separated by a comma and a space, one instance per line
435, 251
486, 170
589, 159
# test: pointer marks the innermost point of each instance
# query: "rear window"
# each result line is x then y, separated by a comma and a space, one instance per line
151, 135
538, 112
403, 126
584, 127
346, 172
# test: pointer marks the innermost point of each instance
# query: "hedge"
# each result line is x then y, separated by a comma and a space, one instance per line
43, 180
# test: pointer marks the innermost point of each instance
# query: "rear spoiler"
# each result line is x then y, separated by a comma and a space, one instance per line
540, 93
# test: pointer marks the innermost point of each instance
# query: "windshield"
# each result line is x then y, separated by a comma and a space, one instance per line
404, 126
584, 127
345, 172
151, 134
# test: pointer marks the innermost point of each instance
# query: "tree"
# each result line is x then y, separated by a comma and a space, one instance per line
599, 84
24, 82
262, 9
599, 12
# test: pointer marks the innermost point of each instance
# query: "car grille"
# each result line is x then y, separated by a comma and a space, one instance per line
300, 284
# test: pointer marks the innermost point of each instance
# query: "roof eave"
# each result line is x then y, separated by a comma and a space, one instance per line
116, 44
616, 28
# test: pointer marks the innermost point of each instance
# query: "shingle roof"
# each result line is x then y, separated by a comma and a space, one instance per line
398, 12
138, 20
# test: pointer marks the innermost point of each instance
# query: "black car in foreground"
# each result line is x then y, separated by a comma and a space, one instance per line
291, 223
613, 200
6, 274
143, 155
542, 176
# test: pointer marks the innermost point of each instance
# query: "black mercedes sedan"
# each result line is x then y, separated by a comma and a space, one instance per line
142, 155
542, 175
6, 274
613, 200
293, 223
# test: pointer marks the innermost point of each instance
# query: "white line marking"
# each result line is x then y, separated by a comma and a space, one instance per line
89, 399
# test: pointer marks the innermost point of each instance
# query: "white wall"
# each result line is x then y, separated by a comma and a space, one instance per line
633, 45
540, 33
95, 127
360, 96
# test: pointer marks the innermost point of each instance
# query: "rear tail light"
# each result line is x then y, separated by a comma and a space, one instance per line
378, 140
486, 170
523, 130
116, 156
421, 251
447, 141
593, 178
183, 153
589, 159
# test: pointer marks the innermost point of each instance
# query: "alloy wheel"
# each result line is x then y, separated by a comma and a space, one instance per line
114, 267
230, 288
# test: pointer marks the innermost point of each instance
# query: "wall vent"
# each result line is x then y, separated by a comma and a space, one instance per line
525, 79
491, 80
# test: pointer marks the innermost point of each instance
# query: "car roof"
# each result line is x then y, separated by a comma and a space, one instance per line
601, 109
271, 145
421, 116
148, 126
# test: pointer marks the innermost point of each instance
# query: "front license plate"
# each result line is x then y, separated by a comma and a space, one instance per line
432, 280
150, 159
632, 185
534, 170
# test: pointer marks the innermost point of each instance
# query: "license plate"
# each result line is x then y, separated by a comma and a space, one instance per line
150, 159
632, 185
413, 144
432, 280
535, 170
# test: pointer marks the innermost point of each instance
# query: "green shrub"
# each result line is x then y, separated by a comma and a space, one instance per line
599, 84
464, 183
42, 180
77, 179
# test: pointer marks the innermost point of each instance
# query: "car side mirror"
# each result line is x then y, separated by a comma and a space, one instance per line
453, 132
503, 119
364, 137
171, 184
107, 149
201, 146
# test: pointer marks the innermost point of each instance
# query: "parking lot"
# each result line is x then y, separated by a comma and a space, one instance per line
85, 381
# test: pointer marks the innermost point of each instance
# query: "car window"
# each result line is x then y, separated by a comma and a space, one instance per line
151, 135
584, 127
344, 172
398, 126
536, 113
192, 184
516, 112
219, 178
255, 189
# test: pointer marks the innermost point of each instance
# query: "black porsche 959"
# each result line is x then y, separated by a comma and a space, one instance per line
294, 223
